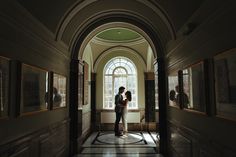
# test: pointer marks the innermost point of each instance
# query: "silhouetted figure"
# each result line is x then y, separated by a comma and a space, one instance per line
174, 96
125, 112
57, 99
118, 109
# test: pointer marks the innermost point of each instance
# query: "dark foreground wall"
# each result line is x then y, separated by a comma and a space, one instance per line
24, 40
211, 30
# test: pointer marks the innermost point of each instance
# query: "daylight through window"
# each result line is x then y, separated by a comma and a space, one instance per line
119, 71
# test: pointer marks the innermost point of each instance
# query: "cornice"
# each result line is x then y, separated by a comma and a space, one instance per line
104, 42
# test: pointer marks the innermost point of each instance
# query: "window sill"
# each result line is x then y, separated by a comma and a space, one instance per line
112, 110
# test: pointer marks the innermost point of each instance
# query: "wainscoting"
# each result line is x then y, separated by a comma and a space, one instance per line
185, 142
109, 117
136, 121
86, 123
42, 143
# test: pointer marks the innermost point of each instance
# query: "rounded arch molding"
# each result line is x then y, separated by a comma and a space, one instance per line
91, 36
148, 32
72, 19
125, 50
156, 31
74, 27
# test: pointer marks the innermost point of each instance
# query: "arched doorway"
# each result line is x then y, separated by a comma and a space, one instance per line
155, 29
161, 86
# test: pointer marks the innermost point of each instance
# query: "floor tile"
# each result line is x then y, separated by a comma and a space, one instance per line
106, 144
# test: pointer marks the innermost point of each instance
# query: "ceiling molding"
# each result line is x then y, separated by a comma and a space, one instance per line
104, 42
119, 48
118, 34
80, 5
159, 10
91, 36
69, 15
77, 25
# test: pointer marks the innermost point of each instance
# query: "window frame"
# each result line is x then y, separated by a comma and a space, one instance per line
110, 65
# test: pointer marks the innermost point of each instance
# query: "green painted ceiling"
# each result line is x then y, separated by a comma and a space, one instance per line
118, 34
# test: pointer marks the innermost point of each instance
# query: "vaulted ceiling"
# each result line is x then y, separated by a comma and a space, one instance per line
67, 20
118, 35
177, 11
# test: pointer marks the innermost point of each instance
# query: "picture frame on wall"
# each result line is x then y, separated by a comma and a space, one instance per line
225, 84
59, 91
4, 86
34, 89
80, 85
86, 83
156, 85
193, 97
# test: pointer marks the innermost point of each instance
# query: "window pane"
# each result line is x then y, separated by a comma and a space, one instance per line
120, 67
120, 71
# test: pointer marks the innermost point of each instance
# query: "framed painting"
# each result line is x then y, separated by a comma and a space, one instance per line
225, 84
86, 82
156, 85
193, 96
80, 85
4, 86
34, 89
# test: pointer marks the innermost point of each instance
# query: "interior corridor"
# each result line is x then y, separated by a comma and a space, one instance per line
106, 144
62, 63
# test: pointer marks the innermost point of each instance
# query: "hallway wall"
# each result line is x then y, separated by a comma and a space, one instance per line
193, 133
24, 40
86, 108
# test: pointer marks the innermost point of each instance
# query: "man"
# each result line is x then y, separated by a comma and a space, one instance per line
57, 99
185, 98
118, 110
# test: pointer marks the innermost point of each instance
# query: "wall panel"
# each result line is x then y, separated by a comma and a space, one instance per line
208, 135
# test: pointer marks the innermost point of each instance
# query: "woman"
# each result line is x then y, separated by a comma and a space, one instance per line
125, 111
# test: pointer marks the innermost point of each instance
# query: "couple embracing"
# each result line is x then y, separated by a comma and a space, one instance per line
121, 110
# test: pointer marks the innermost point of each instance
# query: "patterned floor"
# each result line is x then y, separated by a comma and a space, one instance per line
106, 144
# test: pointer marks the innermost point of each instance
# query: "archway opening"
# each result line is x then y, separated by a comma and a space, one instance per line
145, 59
114, 55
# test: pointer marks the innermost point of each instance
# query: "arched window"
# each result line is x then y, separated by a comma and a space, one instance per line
119, 71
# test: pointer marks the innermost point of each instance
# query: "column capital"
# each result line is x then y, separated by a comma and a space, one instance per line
149, 76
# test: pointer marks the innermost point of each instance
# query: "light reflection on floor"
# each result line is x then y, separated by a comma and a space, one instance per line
105, 144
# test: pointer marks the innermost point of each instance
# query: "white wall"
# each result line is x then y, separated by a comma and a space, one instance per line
86, 117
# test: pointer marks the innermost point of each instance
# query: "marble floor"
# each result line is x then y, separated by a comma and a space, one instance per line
106, 144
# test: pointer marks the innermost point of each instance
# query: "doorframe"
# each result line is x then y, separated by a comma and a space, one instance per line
153, 35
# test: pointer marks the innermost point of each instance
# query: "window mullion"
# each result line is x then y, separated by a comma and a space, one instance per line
125, 69
112, 89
